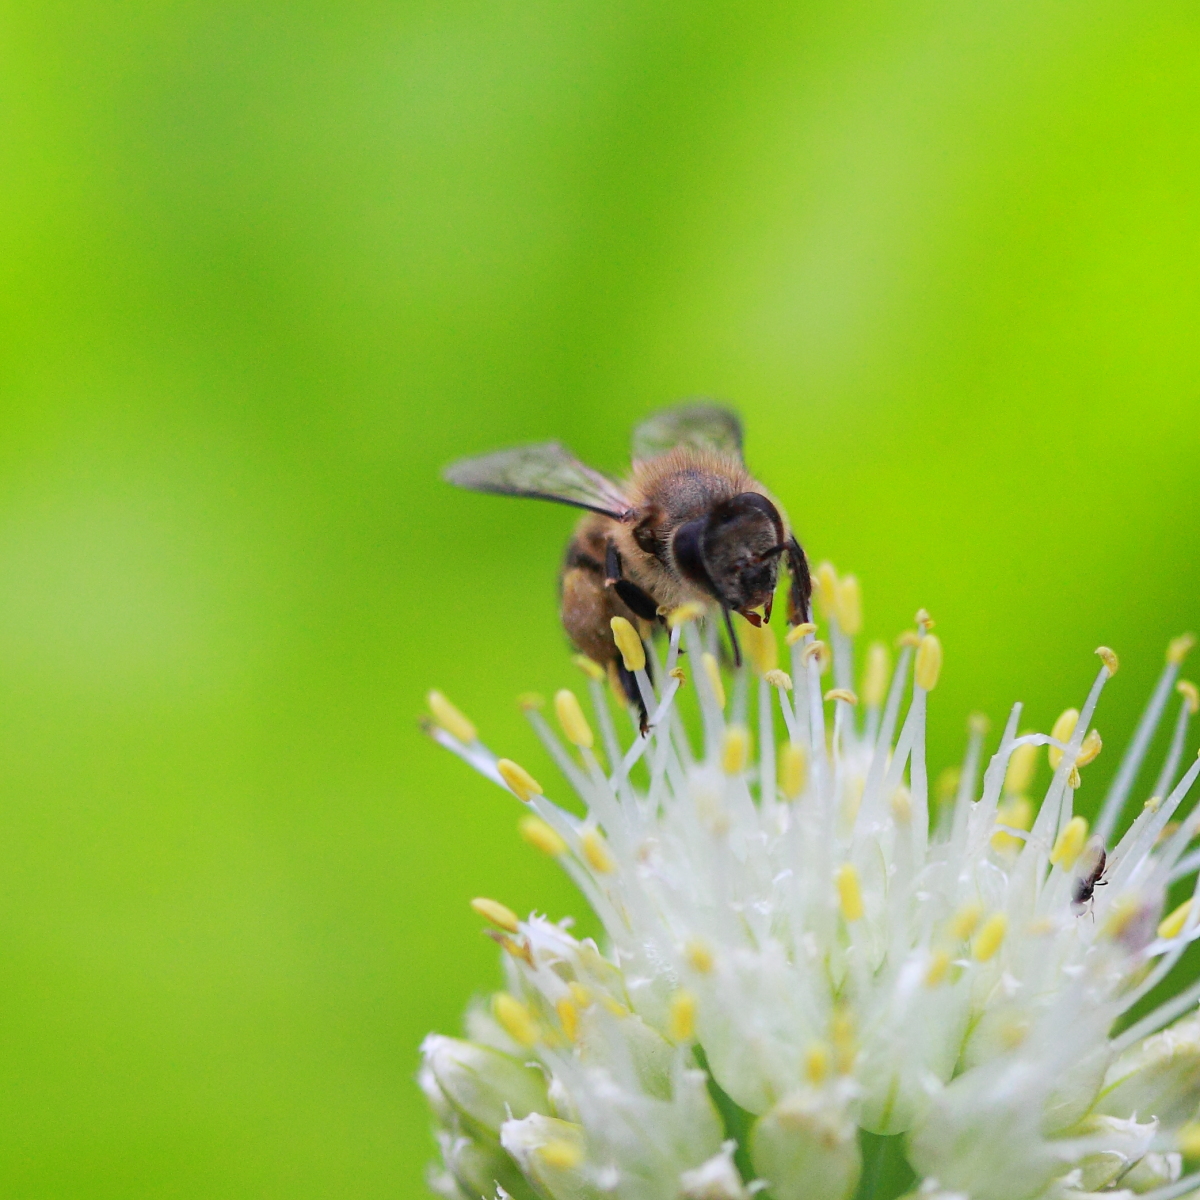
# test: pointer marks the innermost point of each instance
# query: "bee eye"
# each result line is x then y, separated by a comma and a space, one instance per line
687, 546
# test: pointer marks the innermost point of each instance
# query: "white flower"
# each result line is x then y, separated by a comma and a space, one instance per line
800, 948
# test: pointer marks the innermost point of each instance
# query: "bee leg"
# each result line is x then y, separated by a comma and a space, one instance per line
634, 694
733, 640
636, 600
800, 592
612, 564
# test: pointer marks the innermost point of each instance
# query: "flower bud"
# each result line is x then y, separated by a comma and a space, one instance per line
1159, 1077
477, 1165
807, 1146
483, 1085
1127, 1141
443, 1110
1153, 1171
716, 1179
550, 1154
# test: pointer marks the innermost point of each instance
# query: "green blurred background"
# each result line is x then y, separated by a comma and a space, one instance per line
266, 267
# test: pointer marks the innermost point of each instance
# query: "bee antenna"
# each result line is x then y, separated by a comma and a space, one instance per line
774, 552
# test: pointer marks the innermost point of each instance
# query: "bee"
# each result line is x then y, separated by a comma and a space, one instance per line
1094, 862
690, 523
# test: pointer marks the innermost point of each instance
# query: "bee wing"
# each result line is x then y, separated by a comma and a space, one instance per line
1090, 864
546, 471
702, 426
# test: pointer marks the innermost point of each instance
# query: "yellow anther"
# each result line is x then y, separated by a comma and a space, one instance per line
499, 914
939, 966
633, 653
1069, 844
561, 1154
799, 631
1121, 913
1090, 750
825, 586
699, 956
761, 647
844, 694
540, 836
1063, 728
709, 663
978, 723
991, 934
1190, 693
1074, 779
875, 678
681, 1016
908, 638
924, 620
779, 679
852, 795
568, 1016
1169, 830
947, 784
1179, 648
515, 1018
1013, 1033
514, 946
679, 675
519, 779
841, 1032
570, 717
849, 893
963, 923
1021, 767
450, 719
615, 1007
1189, 1140
849, 605
596, 852
1153, 804
735, 750
579, 994
593, 670
529, 701
1016, 813
821, 653
902, 805
1172, 925
817, 1063
793, 769
929, 662
691, 611
1110, 659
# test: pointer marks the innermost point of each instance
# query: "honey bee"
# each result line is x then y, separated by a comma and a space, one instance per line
690, 523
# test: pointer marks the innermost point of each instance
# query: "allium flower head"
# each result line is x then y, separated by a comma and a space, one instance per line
806, 955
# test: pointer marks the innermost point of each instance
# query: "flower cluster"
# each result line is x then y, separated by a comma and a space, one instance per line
805, 954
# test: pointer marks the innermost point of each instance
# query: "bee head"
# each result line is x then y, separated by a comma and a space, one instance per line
733, 553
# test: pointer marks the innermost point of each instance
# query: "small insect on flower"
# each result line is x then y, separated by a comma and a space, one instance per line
1092, 861
689, 526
